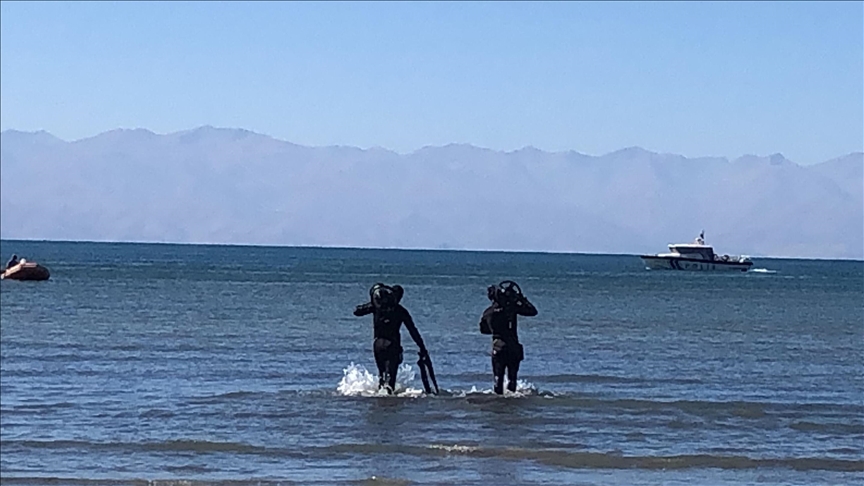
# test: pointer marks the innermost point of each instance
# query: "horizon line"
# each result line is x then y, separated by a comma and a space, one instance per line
385, 248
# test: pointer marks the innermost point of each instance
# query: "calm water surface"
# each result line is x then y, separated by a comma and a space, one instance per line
143, 364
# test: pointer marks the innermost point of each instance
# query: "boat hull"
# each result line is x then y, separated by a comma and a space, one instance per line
676, 263
26, 271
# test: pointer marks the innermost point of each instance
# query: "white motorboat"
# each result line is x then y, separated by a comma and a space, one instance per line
696, 256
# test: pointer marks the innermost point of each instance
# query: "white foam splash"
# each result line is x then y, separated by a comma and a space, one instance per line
358, 381
523, 389
762, 270
460, 449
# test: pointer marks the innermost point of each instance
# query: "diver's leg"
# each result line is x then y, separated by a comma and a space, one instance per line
392, 369
498, 373
381, 363
512, 374
395, 360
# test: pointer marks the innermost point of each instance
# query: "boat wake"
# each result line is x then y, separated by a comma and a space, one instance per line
761, 270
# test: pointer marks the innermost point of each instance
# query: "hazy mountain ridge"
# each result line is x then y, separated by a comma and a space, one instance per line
236, 186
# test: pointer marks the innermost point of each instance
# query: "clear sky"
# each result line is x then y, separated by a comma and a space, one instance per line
691, 78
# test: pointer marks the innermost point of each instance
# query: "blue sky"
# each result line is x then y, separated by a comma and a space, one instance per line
691, 78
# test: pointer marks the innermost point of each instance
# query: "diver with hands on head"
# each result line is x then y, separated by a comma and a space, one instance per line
12, 262
388, 315
499, 320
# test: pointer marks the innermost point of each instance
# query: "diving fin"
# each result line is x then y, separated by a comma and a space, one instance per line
426, 372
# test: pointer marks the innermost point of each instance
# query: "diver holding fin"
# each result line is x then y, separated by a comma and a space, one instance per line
388, 315
426, 372
499, 320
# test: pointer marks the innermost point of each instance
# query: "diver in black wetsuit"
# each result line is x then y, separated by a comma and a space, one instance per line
388, 317
12, 262
499, 320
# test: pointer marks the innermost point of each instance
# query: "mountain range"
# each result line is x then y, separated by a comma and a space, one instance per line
233, 186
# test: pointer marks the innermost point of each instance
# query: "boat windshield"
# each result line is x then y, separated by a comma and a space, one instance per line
702, 252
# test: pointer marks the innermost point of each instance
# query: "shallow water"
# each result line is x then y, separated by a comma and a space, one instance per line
244, 365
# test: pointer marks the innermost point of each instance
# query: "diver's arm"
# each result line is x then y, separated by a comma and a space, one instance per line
525, 308
364, 309
485, 320
412, 330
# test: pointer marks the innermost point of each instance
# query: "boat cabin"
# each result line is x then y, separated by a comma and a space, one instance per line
701, 252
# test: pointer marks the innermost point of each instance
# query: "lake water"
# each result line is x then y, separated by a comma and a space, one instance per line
159, 364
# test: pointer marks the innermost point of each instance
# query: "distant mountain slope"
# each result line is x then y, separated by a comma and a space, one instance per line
235, 186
